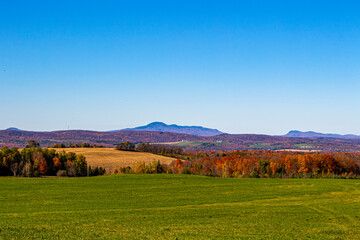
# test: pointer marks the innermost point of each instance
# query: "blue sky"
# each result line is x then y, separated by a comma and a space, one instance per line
238, 66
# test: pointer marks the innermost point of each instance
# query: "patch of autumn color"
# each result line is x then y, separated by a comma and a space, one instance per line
43, 168
57, 163
178, 163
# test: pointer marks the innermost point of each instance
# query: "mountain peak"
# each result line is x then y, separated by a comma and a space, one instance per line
154, 124
13, 128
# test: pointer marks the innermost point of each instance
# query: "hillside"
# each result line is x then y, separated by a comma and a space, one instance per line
112, 159
109, 139
220, 142
192, 130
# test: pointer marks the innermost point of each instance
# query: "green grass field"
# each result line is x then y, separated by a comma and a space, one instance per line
178, 207
304, 145
262, 146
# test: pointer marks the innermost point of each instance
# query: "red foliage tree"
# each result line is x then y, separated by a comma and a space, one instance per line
57, 163
43, 168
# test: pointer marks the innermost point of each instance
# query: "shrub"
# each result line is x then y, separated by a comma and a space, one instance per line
126, 170
141, 168
61, 173
36, 173
97, 171
186, 171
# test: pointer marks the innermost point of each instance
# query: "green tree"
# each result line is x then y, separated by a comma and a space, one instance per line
32, 144
80, 165
126, 146
12, 159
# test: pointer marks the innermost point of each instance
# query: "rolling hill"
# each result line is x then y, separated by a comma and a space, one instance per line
108, 139
15, 138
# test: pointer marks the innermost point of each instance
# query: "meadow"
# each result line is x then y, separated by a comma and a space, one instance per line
112, 159
166, 206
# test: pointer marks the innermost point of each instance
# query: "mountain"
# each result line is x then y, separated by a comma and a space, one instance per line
162, 127
312, 134
13, 128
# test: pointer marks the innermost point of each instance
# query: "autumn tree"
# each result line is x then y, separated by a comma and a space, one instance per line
71, 169
37, 158
27, 170
11, 159
43, 167
57, 163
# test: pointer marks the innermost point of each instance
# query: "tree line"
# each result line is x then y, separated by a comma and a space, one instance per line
82, 145
34, 161
264, 164
161, 149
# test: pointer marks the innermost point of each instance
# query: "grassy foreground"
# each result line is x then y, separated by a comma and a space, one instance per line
178, 207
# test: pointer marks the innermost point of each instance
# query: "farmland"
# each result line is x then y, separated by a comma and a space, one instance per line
112, 159
178, 206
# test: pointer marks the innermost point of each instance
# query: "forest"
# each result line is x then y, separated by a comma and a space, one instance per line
258, 164
34, 161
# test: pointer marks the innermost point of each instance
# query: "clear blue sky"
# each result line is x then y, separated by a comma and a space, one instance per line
239, 66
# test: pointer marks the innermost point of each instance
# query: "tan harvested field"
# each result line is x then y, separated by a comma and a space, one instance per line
112, 159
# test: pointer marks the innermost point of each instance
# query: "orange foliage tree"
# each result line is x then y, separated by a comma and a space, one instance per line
43, 167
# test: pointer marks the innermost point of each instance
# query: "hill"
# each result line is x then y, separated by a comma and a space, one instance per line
162, 127
311, 134
112, 159
108, 139
13, 138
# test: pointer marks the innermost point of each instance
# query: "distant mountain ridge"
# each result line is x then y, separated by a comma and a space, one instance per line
173, 128
311, 134
208, 132
13, 128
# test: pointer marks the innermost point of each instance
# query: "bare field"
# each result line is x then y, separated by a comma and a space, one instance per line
112, 159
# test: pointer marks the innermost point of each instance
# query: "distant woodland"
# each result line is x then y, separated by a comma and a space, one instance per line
34, 161
258, 164
251, 163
